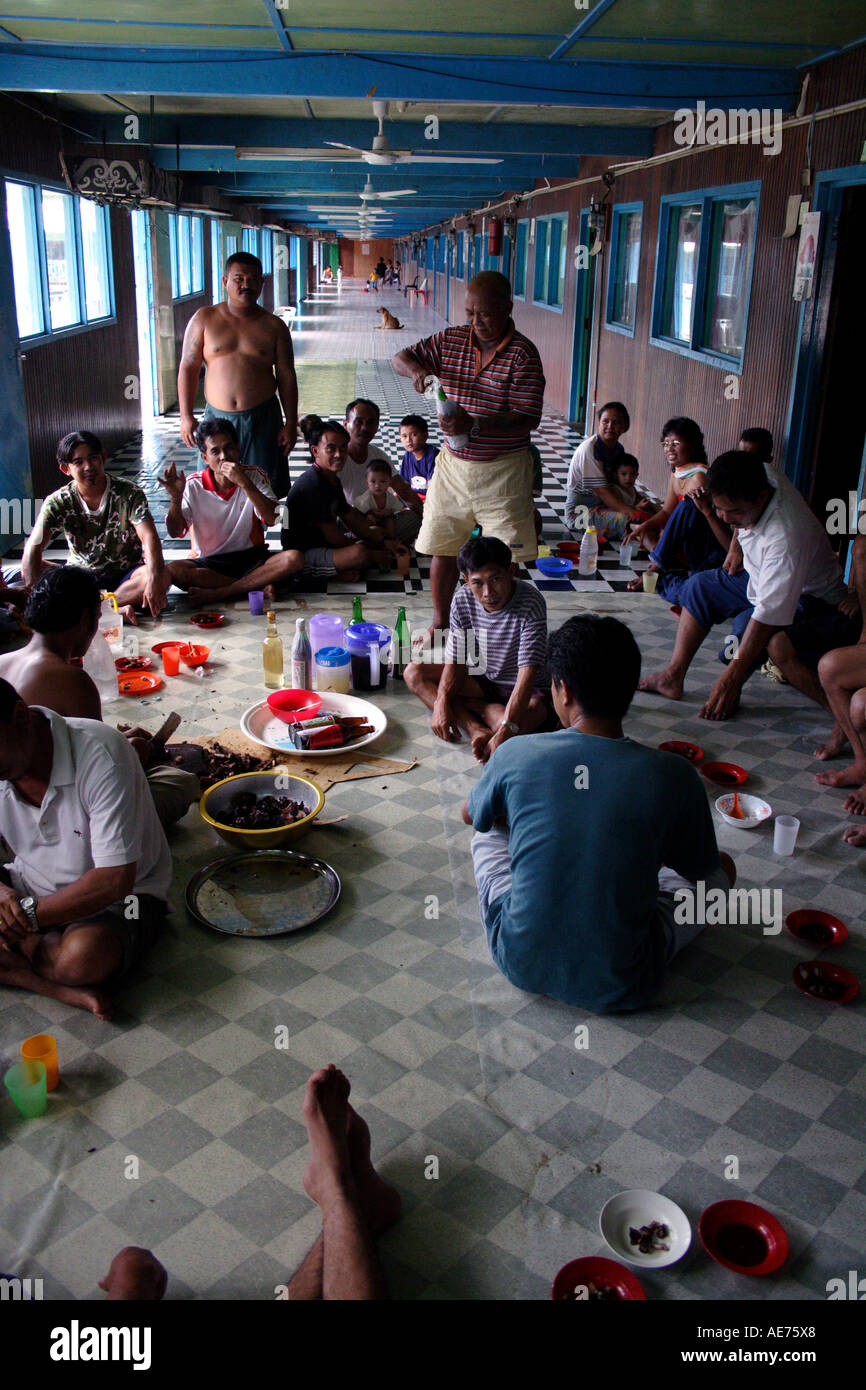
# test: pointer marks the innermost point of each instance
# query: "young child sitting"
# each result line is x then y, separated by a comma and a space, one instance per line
622, 478
383, 507
419, 460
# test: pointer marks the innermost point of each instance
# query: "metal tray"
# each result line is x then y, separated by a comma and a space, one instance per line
262, 893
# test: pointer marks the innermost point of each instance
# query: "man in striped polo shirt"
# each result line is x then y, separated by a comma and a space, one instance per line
494, 375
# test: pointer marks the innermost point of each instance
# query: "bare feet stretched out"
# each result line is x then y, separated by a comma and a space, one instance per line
325, 1110
663, 683
854, 835
856, 802
853, 776
379, 1200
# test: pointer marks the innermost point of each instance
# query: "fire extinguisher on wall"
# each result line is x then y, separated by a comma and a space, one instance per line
494, 237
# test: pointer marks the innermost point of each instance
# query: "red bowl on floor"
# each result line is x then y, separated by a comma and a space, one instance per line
608, 1274
743, 1237
193, 654
841, 985
290, 705
827, 930
725, 774
690, 751
161, 646
125, 664
208, 619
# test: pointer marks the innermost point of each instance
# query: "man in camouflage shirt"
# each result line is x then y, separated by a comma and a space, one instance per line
108, 528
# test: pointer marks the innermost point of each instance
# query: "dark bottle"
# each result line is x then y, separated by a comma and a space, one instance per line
401, 645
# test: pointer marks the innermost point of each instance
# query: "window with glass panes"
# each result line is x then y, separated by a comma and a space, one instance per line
704, 273
61, 259
624, 266
551, 249
186, 244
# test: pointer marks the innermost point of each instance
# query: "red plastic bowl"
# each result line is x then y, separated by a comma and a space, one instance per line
725, 774
829, 931
810, 973
743, 1237
288, 704
690, 751
193, 654
208, 619
601, 1272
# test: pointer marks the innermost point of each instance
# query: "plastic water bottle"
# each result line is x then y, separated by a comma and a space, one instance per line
99, 665
588, 562
445, 409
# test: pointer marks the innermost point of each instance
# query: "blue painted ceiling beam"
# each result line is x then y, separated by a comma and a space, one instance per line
470, 137
277, 25
595, 14
48, 67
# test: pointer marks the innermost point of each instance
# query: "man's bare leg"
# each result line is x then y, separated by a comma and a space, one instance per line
275, 570
489, 714
379, 1200
350, 1265
842, 673
443, 582
68, 966
670, 681
856, 802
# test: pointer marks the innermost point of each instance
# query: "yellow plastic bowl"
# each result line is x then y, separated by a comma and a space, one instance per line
215, 803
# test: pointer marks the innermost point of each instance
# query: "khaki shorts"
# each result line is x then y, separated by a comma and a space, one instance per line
495, 494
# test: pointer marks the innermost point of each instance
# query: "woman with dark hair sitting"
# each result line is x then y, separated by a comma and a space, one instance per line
588, 482
686, 536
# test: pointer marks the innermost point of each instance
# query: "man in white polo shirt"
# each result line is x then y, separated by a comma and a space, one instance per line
86, 892
786, 601
226, 508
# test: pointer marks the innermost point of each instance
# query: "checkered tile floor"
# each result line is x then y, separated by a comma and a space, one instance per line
446, 1058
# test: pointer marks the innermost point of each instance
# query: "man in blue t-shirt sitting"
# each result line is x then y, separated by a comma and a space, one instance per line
585, 837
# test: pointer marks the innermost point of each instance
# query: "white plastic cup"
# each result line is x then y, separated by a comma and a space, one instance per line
785, 831
625, 552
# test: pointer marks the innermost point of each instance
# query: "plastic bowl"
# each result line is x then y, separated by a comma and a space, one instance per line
743, 1237
608, 1274
815, 928
288, 704
549, 564
215, 803
638, 1207
753, 808
823, 980
690, 751
725, 774
193, 654
208, 619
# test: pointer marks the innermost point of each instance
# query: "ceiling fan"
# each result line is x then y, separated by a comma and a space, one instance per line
381, 152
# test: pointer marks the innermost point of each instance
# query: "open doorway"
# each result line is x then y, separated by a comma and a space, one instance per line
581, 348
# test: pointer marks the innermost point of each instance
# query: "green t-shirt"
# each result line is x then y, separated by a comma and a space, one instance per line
102, 540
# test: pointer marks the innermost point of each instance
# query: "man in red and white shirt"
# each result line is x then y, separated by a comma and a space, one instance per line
494, 375
225, 509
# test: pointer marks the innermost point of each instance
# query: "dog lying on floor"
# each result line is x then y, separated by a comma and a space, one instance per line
388, 320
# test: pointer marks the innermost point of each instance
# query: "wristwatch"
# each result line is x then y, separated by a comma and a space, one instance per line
29, 906
476, 429
510, 726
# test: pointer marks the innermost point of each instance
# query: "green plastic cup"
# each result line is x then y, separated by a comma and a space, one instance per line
26, 1084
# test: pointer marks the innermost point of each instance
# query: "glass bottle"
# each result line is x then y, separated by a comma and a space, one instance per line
401, 645
302, 657
272, 654
357, 610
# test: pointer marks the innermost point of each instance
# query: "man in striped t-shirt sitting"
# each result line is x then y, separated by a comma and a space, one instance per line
498, 627
494, 375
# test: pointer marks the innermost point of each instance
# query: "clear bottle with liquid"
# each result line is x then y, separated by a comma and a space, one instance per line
588, 562
302, 657
272, 654
446, 410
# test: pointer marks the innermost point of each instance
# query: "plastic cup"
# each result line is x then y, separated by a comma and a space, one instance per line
257, 602
171, 660
625, 551
785, 831
25, 1083
42, 1048
650, 580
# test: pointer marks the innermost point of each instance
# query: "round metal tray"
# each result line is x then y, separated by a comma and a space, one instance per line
262, 893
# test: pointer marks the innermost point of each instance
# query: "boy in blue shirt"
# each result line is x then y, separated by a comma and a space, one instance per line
419, 460
575, 830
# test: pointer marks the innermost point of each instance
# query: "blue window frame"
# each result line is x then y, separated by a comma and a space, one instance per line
458, 260
231, 245
622, 283
267, 251
520, 243
551, 249
250, 240
430, 254
506, 254
61, 259
703, 277
476, 257
216, 266
186, 241
440, 252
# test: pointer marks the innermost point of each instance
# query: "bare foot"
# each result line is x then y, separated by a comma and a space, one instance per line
853, 776
380, 1201
634, 584
856, 802
854, 835
833, 747
200, 598
480, 741
269, 594
662, 683
325, 1111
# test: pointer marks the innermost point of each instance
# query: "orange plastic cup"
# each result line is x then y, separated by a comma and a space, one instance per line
43, 1048
171, 660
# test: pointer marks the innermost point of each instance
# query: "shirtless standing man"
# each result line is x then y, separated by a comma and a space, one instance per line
249, 362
